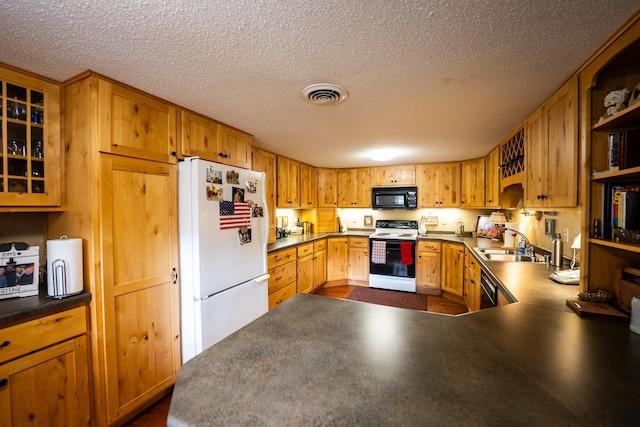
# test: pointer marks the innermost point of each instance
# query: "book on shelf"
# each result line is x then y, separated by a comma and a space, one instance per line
624, 149
622, 208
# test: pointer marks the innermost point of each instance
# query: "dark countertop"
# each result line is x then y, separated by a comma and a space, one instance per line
321, 361
16, 310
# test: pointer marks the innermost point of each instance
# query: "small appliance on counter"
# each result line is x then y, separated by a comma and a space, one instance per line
64, 267
19, 270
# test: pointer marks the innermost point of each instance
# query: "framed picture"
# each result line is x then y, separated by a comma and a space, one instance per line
368, 220
485, 228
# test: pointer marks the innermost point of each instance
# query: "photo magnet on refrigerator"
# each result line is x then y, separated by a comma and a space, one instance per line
233, 177
214, 176
245, 235
214, 193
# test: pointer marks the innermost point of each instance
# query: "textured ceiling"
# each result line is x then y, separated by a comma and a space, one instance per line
439, 79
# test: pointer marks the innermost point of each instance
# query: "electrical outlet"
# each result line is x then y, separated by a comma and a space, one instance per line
565, 234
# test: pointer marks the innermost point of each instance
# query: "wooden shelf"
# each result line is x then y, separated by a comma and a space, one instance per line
616, 245
629, 174
627, 118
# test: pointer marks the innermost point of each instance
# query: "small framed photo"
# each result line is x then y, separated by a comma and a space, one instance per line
368, 220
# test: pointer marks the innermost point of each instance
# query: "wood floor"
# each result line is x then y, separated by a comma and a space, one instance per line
435, 303
157, 414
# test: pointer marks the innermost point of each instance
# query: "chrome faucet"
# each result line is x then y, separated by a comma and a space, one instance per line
528, 247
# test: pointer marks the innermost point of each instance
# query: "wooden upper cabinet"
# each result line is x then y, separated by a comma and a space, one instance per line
288, 181
135, 124
199, 136
551, 151
327, 188
308, 186
354, 188
264, 161
234, 147
492, 179
393, 175
438, 185
472, 183
213, 141
31, 165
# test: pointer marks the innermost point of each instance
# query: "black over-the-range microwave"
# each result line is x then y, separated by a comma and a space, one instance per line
394, 197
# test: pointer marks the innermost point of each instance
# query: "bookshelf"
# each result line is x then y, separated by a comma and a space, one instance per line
616, 65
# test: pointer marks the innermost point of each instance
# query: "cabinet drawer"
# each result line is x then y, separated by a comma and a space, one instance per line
282, 295
281, 276
42, 332
304, 250
281, 257
359, 242
429, 246
320, 245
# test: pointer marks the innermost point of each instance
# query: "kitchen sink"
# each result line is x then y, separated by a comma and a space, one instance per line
508, 255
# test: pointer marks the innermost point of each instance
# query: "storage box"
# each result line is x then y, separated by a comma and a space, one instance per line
19, 273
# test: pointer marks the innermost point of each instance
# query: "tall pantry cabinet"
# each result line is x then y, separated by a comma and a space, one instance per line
121, 176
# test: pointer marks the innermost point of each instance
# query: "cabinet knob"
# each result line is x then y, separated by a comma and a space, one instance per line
175, 275
5, 344
4, 382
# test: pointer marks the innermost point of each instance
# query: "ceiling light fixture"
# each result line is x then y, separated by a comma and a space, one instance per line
324, 93
383, 154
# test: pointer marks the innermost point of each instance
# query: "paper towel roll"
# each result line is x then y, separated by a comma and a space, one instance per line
510, 238
64, 267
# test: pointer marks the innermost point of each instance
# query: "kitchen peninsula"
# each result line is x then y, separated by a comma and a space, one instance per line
320, 361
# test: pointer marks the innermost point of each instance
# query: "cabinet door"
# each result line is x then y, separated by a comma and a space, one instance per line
561, 116
308, 187
428, 177
48, 387
199, 137
234, 147
472, 183
288, 181
453, 268
536, 160
428, 273
346, 183
305, 274
30, 166
327, 188
337, 262
492, 179
139, 295
358, 263
362, 189
319, 268
137, 125
449, 184
393, 175
263, 161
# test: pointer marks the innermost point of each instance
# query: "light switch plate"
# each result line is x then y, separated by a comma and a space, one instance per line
431, 219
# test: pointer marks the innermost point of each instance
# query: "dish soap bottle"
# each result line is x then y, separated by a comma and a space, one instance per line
556, 253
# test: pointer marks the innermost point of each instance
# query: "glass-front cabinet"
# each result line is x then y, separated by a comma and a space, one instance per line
30, 166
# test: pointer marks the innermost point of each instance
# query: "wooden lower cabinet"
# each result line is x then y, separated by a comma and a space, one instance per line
453, 269
358, 269
337, 262
44, 371
428, 267
472, 291
312, 266
283, 273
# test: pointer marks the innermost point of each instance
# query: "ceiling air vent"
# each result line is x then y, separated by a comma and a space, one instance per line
324, 93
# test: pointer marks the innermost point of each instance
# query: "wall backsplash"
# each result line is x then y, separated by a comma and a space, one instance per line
24, 227
532, 228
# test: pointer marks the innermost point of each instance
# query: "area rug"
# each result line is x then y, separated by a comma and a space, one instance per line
390, 298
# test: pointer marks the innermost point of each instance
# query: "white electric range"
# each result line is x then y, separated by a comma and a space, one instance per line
392, 251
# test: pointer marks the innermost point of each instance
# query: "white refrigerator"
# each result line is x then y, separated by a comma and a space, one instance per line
223, 227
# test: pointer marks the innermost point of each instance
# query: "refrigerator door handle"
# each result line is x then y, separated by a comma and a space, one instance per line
262, 278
